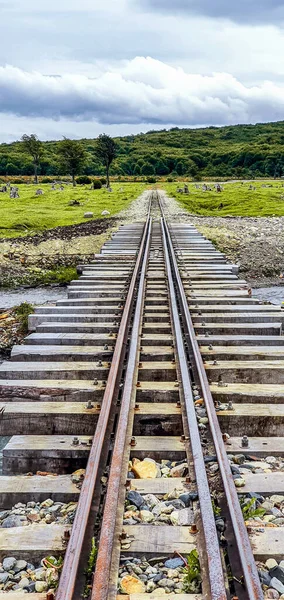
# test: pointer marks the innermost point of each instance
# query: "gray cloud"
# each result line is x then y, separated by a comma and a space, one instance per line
143, 91
243, 11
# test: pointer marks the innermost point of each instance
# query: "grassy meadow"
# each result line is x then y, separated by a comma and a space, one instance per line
31, 214
237, 199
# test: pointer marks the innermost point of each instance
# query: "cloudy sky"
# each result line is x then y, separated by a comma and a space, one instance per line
78, 68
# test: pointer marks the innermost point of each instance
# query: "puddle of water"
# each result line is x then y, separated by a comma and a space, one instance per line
39, 295
273, 294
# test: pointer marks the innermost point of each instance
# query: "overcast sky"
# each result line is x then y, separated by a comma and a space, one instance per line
124, 66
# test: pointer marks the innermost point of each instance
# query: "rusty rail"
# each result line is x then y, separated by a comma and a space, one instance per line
215, 567
104, 558
69, 573
250, 574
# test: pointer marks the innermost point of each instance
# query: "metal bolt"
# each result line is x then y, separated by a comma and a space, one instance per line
66, 534
95, 382
138, 384
89, 405
137, 406
193, 529
100, 364
105, 347
75, 441
98, 407
215, 362
230, 405
133, 441
210, 347
245, 441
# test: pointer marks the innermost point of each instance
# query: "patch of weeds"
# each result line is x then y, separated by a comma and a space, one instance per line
90, 567
22, 312
192, 573
250, 510
216, 508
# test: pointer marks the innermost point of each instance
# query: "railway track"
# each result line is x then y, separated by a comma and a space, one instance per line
142, 412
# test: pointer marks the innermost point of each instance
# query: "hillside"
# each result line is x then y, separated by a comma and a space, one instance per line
234, 151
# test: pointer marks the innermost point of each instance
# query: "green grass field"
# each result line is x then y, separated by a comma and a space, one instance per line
30, 214
237, 199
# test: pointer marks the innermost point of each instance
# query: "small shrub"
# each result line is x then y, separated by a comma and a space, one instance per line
151, 180
250, 510
47, 180
170, 179
22, 312
192, 577
18, 180
103, 180
97, 184
83, 180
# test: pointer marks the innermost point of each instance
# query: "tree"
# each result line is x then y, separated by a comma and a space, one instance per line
72, 157
147, 169
106, 151
33, 146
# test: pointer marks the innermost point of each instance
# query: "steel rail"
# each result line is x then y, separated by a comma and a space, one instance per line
104, 558
68, 577
250, 574
215, 567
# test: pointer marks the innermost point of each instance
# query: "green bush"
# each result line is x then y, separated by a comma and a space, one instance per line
103, 180
97, 184
83, 180
151, 179
47, 180
17, 181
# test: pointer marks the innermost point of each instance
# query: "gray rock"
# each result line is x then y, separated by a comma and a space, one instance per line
31, 587
188, 498
174, 563
24, 583
4, 577
40, 586
20, 565
12, 521
277, 572
264, 577
39, 574
166, 583
4, 514
135, 498
8, 563
277, 585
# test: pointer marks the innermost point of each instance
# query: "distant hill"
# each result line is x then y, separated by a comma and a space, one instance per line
234, 151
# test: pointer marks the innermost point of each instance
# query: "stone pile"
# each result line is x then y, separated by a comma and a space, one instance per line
175, 508
162, 576
23, 576
46, 512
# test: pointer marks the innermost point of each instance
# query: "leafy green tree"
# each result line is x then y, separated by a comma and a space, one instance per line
72, 157
106, 151
147, 169
33, 146
137, 170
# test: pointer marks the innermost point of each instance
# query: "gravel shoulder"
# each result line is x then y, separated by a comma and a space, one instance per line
254, 243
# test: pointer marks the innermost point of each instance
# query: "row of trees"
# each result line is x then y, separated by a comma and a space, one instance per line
237, 151
71, 154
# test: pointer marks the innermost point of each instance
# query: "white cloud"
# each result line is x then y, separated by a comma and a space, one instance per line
144, 90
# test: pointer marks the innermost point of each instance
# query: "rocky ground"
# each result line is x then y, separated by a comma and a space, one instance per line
256, 244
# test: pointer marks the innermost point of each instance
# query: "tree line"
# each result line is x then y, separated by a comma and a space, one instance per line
241, 151
71, 154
